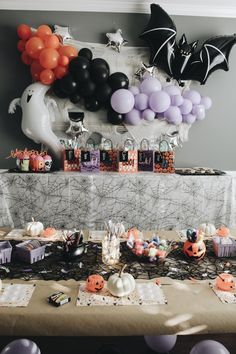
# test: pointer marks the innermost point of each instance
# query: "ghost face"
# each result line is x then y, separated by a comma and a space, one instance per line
34, 91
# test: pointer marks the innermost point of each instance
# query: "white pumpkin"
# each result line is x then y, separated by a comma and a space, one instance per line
34, 228
121, 284
208, 229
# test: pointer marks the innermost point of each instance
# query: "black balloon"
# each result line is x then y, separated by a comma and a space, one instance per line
118, 80
92, 104
100, 75
85, 52
103, 93
87, 88
78, 63
57, 89
81, 75
68, 84
75, 98
115, 118
98, 62
180, 61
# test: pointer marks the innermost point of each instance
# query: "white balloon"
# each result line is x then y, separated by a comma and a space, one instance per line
36, 123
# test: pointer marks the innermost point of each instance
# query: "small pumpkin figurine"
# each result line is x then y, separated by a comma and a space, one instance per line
194, 247
121, 284
34, 228
225, 282
94, 283
223, 231
208, 229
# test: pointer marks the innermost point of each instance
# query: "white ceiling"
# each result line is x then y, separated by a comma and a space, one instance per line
211, 8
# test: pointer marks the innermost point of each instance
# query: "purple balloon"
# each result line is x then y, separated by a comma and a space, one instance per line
172, 90
188, 118
206, 102
122, 101
173, 115
199, 111
161, 344
186, 107
193, 96
159, 101
150, 85
133, 117
141, 101
148, 115
21, 346
209, 347
134, 90
177, 100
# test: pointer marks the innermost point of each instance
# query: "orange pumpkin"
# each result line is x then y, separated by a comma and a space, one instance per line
195, 250
223, 231
225, 282
94, 283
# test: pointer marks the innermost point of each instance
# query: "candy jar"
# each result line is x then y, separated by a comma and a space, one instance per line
111, 243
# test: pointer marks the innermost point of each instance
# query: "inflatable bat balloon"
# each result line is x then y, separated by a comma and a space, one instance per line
36, 122
181, 61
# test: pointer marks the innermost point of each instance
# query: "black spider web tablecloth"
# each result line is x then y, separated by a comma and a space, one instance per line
176, 265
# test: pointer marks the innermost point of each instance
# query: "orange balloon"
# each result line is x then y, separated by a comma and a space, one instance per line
24, 31
43, 31
60, 71
51, 41
25, 58
48, 58
35, 70
21, 45
68, 51
47, 77
34, 46
63, 60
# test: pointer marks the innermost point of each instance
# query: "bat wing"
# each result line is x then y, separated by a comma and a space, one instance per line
213, 55
160, 34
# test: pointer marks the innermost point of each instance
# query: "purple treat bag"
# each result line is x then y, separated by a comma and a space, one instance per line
90, 158
145, 157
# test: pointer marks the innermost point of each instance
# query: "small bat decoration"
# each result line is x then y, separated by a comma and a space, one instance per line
181, 61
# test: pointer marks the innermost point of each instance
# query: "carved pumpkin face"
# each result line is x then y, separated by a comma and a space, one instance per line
94, 283
225, 282
194, 250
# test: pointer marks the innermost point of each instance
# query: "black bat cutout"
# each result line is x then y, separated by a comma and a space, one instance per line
179, 61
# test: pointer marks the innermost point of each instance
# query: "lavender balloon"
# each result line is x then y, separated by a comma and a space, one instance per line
148, 115
199, 111
134, 90
122, 101
209, 347
172, 90
176, 100
188, 118
159, 101
150, 85
141, 101
161, 344
206, 102
186, 107
133, 117
21, 346
173, 115
193, 96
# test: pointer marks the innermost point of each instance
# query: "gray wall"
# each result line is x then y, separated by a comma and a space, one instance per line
211, 142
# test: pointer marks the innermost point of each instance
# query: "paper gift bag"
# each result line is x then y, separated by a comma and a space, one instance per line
164, 158
128, 158
90, 158
71, 160
108, 157
145, 157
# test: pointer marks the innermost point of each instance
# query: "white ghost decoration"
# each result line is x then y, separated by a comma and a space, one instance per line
36, 122
115, 40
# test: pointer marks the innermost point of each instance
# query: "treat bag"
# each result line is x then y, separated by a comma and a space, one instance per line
110, 249
90, 158
128, 158
108, 157
164, 158
145, 157
71, 160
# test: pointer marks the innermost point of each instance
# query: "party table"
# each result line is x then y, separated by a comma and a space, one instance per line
148, 200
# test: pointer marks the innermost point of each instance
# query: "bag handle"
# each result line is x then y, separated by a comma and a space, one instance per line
107, 144
144, 144
90, 144
129, 144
